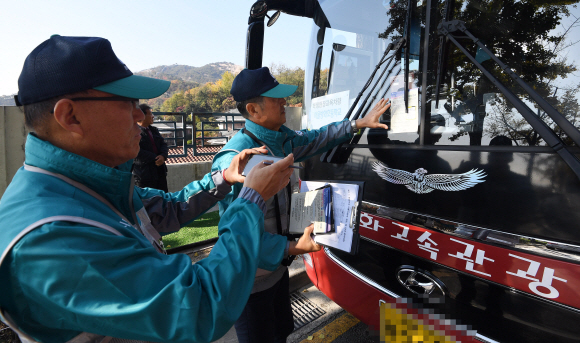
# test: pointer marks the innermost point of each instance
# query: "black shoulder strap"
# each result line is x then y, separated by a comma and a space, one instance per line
252, 136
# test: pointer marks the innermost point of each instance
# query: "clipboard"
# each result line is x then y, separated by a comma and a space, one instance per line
353, 217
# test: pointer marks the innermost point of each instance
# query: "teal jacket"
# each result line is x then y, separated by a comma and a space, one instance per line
67, 277
303, 144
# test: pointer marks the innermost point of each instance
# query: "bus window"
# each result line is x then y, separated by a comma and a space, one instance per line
470, 110
402, 82
339, 70
351, 68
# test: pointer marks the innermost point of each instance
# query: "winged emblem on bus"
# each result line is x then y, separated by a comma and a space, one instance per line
421, 183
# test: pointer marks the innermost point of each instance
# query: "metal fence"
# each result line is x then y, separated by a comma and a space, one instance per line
181, 132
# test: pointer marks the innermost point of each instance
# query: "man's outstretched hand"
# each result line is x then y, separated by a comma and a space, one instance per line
371, 120
305, 244
234, 172
269, 180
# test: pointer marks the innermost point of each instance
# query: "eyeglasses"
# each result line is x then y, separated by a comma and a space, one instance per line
134, 102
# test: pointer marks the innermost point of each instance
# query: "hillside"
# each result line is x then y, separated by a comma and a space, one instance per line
200, 75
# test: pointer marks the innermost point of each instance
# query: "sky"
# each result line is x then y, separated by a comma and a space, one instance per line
146, 33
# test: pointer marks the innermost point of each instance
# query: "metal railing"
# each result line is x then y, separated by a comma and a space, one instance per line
212, 132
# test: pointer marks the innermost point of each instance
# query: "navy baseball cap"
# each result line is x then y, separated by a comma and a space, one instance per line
63, 65
251, 83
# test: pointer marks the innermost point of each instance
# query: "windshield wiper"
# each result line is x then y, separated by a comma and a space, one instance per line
447, 28
339, 154
396, 47
370, 103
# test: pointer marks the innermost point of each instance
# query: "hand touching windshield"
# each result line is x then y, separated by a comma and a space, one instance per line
371, 120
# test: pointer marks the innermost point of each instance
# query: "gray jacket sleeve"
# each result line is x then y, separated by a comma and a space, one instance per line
306, 144
169, 212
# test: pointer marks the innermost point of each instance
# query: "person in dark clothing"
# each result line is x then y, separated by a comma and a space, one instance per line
149, 166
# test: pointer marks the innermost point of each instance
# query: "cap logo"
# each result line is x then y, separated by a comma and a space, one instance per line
124, 65
273, 76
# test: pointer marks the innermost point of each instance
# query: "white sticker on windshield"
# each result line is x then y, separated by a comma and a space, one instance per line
328, 109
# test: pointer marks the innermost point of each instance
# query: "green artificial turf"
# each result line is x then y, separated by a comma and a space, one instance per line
205, 227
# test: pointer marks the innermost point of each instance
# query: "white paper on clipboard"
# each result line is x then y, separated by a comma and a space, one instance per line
344, 198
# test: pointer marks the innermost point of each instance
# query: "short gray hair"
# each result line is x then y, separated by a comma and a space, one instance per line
241, 105
36, 114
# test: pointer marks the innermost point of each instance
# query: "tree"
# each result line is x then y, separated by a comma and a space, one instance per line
171, 104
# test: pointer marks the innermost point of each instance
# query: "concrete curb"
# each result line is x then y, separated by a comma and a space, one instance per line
298, 276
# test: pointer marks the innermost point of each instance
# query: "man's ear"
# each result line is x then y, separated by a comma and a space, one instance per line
65, 116
254, 110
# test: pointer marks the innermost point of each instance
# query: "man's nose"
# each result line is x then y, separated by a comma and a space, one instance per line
283, 101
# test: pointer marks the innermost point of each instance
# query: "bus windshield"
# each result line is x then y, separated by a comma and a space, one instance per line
535, 39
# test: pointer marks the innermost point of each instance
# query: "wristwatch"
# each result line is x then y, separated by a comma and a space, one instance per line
353, 125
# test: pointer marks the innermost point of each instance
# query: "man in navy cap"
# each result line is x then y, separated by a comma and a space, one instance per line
260, 99
81, 255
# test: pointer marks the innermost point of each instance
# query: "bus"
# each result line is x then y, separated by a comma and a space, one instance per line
471, 205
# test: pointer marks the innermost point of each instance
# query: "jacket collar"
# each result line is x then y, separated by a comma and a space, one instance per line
273, 139
114, 184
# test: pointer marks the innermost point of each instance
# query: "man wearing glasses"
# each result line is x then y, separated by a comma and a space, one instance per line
81, 255
149, 166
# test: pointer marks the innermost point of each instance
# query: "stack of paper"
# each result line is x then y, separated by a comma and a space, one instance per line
312, 207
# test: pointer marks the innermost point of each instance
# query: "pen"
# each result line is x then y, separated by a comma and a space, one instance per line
270, 163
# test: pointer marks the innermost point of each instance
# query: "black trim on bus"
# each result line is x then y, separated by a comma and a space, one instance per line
316, 75
304, 8
255, 43
426, 55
